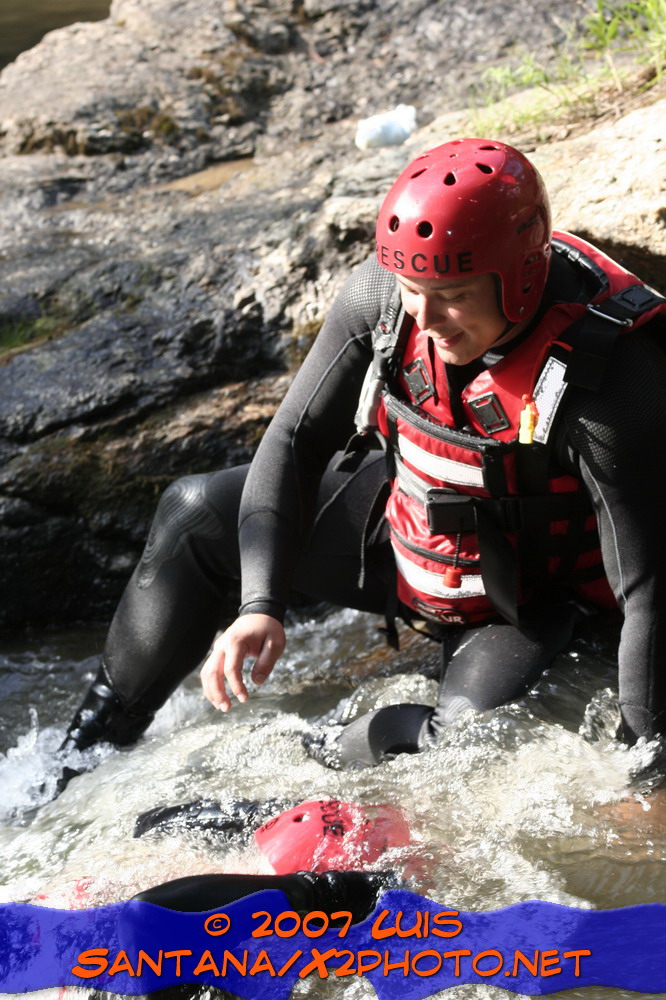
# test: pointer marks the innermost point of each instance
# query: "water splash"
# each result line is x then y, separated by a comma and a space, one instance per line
529, 801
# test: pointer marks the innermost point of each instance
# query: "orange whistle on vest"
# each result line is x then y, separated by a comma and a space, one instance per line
453, 577
529, 417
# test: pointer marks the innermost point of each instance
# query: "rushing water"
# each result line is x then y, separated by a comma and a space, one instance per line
24, 22
529, 801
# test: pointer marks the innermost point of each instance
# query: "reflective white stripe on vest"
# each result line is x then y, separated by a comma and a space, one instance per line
444, 469
426, 582
548, 394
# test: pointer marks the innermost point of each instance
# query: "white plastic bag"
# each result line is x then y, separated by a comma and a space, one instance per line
389, 129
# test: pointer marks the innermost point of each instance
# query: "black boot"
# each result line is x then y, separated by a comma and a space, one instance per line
354, 891
103, 718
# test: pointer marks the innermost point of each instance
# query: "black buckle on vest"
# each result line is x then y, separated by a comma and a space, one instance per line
489, 413
449, 513
625, 306
383, 337
418, 381
638, 299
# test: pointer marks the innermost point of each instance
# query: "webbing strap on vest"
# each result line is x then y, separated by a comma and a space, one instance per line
498, 567
593, 337
388, 343
447, 511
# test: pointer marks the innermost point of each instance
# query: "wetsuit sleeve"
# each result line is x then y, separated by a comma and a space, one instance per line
315, 420
617, 437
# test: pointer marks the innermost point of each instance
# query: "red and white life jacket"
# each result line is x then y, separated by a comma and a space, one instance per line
479, 521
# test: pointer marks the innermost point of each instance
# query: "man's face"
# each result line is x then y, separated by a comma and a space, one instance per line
461, 315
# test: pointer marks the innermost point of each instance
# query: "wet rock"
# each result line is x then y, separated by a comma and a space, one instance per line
75, 507
161, 74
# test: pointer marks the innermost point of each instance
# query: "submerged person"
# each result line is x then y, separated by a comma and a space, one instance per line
319, 852
322, 854
516, 378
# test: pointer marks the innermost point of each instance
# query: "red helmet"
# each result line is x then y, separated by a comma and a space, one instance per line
471, 206
326, 834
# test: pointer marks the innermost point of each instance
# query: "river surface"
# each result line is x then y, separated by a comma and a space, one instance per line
24, 22
531, 801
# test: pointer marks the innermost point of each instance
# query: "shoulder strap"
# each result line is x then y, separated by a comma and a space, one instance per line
593, 337
388, 345
591, 340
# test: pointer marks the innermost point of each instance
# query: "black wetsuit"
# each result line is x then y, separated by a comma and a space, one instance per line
233, 823
304, 526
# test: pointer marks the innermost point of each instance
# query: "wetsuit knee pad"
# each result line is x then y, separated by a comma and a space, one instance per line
185, 512
382, 733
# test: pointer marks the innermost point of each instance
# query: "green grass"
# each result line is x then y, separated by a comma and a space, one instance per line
634, 26
616, 38
15, 334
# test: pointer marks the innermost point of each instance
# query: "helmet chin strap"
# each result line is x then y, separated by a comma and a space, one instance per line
500, 305
509, 326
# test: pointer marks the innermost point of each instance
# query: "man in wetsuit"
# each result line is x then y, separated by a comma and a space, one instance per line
517, 381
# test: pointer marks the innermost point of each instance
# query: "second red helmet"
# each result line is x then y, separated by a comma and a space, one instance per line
326, 834
470, 206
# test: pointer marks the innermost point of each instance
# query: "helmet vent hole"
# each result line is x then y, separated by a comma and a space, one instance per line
489, 147
450, 179
298, 819
484, 168
418, 173
424, 229
394, 223
527, 288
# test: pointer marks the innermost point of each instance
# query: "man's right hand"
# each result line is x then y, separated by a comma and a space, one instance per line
258, 636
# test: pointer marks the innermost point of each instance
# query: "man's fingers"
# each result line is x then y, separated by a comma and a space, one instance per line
250, 635
233, 669
268, 657
212, 679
